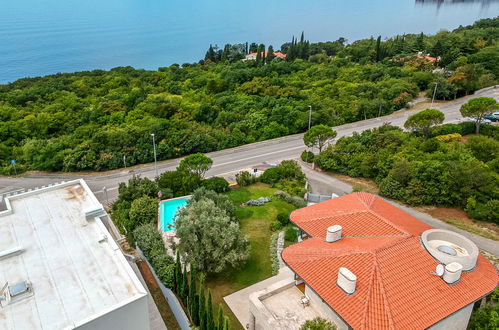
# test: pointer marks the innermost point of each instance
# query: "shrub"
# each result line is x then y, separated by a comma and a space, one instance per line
217, 184
283, 219
488, 211
318, 323
490, 131
244, 179
150, 242
296, 201
450, 129
166, 275
275, 225
291, 234
453, 137
307, 156
273, 253
143, 210
180, 183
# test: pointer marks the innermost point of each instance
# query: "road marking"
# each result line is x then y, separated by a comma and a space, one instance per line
257, 156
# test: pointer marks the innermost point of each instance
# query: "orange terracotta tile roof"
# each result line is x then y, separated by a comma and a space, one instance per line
360, 214
394, 286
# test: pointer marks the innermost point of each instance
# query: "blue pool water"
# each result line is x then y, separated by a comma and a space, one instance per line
167, 210
43, 37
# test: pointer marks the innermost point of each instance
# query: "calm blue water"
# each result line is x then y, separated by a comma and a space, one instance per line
39, 37
167, 210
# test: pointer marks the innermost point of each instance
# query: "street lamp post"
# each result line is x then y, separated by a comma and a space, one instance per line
434, 92
309, 121
155, 158
309, 116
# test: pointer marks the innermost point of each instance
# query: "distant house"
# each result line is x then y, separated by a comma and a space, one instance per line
252, 56
418, 56
365, 264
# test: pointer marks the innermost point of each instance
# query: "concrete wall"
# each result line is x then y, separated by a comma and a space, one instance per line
132, 316
456, 321
324, 308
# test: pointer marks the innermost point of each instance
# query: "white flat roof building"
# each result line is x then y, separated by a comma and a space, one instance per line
63, 268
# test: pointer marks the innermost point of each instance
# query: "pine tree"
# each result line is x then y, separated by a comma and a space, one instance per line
202, 304
210, 323
177, 274
437, 49
210, 54
225, 53
185, 286
220, 319
419, 45
253, 47
193, 298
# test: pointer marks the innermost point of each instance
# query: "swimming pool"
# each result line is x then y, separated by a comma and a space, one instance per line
167, 210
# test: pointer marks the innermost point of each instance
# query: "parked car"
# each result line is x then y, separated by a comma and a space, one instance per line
493, 116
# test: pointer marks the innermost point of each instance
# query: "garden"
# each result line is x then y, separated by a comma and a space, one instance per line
226, 236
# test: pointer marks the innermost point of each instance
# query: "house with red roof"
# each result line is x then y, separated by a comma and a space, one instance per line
365, 264
252, 56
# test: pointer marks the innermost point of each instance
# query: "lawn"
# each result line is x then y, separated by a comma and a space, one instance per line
255, 222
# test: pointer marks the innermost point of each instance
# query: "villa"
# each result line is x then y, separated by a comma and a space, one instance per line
252, 56
365, 264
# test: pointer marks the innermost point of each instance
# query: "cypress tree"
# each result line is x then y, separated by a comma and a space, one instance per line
210, 323
270, 54
220, 320
378, 49
177, 275
193, 298
202, 304
185, 286
226, 323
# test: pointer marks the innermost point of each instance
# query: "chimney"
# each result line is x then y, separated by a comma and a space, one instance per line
333, 233
347, 280
452, 272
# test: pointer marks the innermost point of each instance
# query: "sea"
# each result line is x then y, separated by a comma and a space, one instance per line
41, 37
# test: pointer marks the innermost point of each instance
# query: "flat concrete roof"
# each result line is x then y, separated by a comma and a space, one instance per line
76, 270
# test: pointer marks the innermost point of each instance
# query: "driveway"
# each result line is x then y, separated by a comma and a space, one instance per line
326, 185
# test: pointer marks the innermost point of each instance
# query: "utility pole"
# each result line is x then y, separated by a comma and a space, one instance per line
155, 158
434, 92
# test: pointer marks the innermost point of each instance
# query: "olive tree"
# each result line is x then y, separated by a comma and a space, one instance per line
424, 121
318, 136
209, 238
477, 108
196, 163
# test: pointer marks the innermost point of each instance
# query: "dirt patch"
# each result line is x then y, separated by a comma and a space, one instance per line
460, 219
359, 184
159, 299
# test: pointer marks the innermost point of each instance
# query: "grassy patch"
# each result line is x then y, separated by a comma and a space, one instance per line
255, 223
163, 307
473, 228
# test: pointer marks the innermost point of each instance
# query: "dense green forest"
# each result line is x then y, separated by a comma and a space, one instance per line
103, 120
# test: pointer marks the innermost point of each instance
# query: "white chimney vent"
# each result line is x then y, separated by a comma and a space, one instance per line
333, 233
347, 280
452, 272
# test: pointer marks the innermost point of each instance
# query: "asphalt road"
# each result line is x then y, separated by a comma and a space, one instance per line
224, 161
